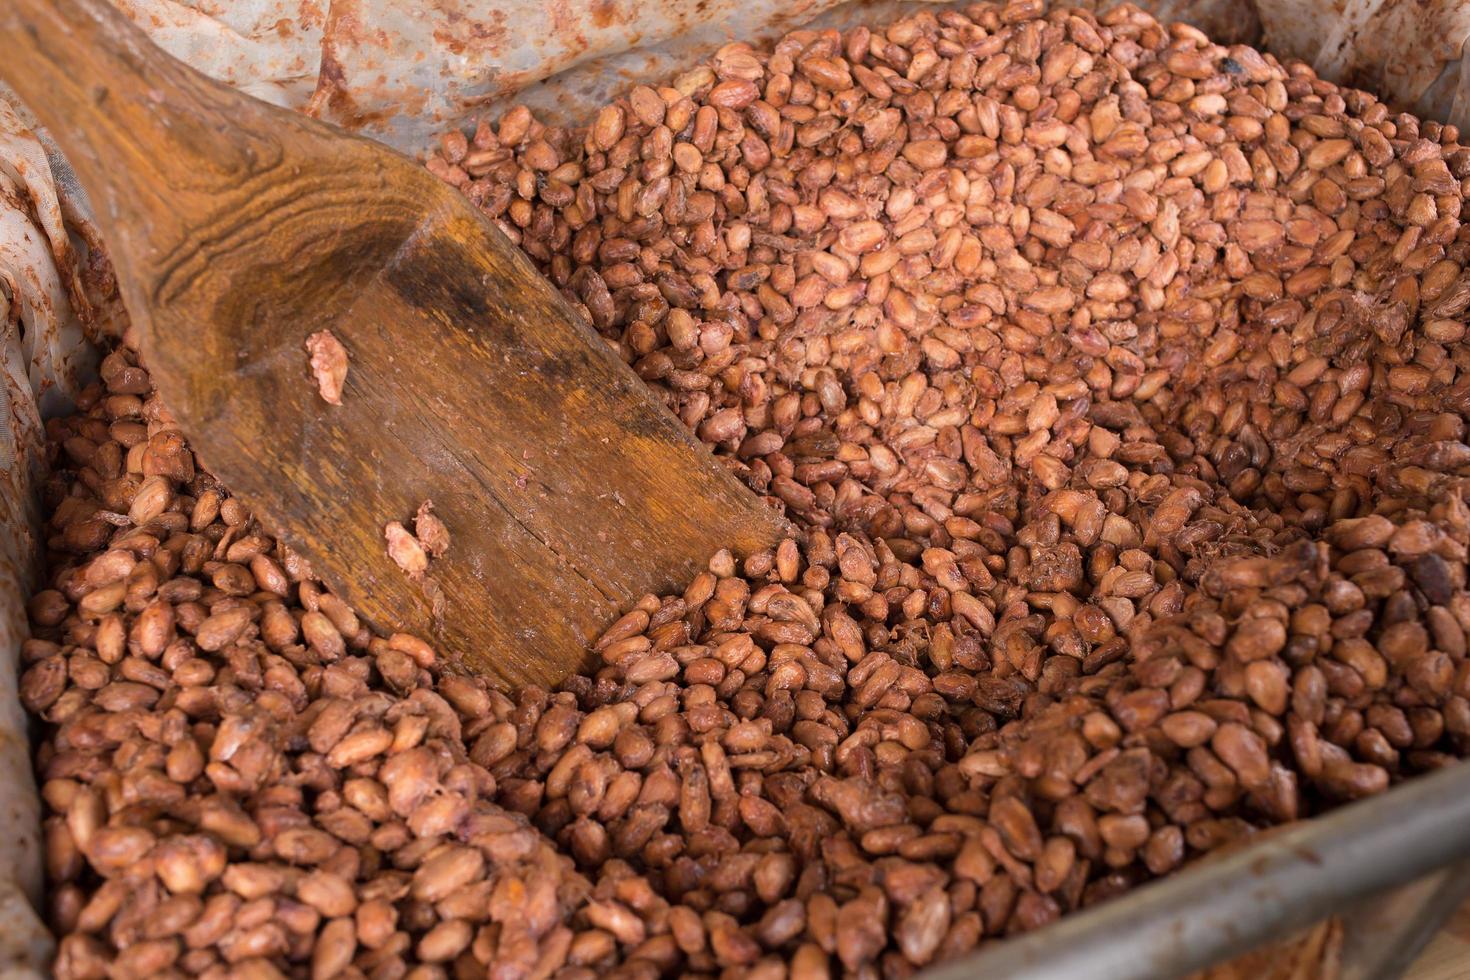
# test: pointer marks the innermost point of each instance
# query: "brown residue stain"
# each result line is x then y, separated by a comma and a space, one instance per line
500, 84
566, 26
414, 103
606, 13
344, 31
480, 34
309, 14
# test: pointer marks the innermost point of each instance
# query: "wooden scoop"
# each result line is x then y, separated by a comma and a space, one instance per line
239, 229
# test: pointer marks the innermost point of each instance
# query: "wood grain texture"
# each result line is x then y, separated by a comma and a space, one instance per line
238, 229
1447, 957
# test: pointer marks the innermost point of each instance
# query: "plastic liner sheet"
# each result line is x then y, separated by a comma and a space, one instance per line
42, 350
403, 70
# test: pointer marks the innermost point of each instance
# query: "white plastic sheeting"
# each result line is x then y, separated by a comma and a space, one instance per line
401, 70
42, 350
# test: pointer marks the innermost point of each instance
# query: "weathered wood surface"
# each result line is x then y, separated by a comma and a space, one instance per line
238, 229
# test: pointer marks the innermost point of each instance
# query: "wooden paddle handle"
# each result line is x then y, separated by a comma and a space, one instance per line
153, 141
